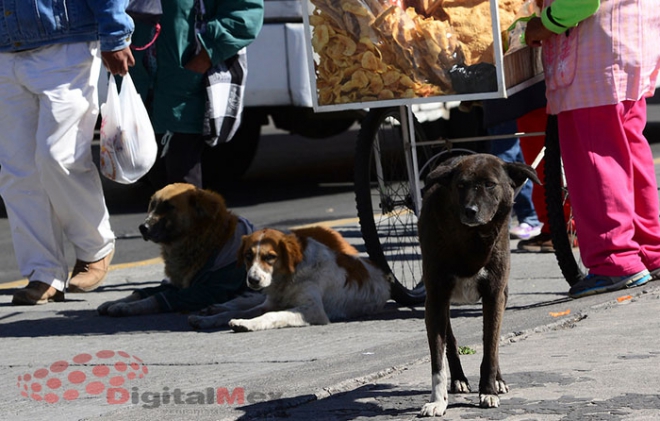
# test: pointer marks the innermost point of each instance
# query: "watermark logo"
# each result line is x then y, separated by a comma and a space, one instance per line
103, 373
112, 376
178, 397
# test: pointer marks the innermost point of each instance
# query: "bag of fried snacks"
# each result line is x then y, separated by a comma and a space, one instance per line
515, 39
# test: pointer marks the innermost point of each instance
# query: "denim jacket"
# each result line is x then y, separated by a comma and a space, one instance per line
27, 24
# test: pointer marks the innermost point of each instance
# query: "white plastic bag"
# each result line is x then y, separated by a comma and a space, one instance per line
128, 142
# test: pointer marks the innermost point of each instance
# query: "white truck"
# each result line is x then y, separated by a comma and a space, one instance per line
278, 89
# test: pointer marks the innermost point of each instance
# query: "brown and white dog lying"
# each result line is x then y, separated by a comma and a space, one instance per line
199, 239
310, 277
464, 238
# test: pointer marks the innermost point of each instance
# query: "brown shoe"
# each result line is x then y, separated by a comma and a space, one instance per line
87, 276
36, 293
542, 243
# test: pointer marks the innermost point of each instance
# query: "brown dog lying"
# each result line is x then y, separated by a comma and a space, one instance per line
199, 241
464, 238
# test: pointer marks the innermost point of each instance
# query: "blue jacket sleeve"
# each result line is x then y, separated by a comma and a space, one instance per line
114, 25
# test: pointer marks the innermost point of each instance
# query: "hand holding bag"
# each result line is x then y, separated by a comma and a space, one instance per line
128, 142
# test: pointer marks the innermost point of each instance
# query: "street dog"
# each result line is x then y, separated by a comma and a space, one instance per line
199, 239
310, 276
464, 237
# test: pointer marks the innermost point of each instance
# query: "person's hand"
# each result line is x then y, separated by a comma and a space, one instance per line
536, 33
118, 62
200, 63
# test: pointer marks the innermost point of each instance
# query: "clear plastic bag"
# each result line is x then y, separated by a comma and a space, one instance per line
515, 39
128, 142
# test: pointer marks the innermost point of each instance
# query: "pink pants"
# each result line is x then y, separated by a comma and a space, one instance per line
612, 184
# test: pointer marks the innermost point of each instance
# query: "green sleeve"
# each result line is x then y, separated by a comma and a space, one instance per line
564, 14
230, 26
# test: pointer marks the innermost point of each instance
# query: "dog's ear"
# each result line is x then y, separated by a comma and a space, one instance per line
443, 173
293, 252
519, 173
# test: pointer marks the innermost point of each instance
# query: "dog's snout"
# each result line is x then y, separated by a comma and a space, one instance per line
253, 282
144, 230
471, 211
471, 215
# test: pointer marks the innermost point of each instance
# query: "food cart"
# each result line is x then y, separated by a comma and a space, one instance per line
380, 53
387, 56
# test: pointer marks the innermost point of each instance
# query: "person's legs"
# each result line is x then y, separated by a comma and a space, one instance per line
63, 80
646, 221
535, 121
598, 164
179, 160
36, 231
68, 110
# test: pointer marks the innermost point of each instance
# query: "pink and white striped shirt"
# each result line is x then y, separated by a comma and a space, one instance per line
610, 57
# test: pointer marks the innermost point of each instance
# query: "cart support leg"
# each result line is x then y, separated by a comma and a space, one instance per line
410, 150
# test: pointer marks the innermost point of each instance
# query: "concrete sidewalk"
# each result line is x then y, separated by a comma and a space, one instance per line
596, 358
602, 364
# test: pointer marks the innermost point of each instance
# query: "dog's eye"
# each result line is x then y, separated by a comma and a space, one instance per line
270, 258
249, 256
490, 185
460, 186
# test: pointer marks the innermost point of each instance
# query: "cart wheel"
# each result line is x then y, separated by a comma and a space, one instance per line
385, 207
385, 204
562, 226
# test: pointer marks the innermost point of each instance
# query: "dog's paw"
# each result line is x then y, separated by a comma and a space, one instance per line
460, 386
240, 325
489, 401
119, 310
434, 409
502, 387
103, 308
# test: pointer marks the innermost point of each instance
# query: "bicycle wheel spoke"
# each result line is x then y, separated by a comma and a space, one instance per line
387, 218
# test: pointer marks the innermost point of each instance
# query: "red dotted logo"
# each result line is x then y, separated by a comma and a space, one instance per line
103, 373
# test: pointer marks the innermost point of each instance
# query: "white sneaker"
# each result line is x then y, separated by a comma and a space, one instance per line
524, 231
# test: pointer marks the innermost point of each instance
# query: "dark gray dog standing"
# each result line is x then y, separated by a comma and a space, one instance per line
464, 238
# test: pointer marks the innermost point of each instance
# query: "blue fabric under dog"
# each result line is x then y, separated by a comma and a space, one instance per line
220, 280
209, 287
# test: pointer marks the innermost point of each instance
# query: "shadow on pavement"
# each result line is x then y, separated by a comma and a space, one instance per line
88, 322
362, 402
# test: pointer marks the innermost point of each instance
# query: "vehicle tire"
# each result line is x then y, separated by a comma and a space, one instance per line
388, 219
562, 226
230, 161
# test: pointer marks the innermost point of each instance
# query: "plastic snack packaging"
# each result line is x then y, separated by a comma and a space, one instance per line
515, 39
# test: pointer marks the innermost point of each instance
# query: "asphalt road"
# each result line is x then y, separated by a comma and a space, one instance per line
292, 181
284, 372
